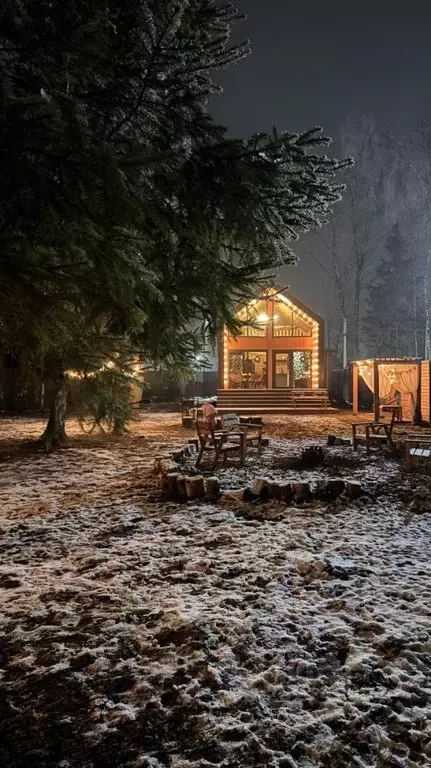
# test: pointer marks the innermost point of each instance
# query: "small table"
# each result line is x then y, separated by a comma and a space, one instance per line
396, 412
377, 432
245, 428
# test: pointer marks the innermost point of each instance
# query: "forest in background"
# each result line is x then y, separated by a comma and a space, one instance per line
374, 256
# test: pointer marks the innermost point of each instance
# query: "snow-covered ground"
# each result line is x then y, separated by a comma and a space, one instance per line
135, 632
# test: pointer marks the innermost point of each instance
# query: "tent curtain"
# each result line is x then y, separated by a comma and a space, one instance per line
386, 387
393, 377
407, 381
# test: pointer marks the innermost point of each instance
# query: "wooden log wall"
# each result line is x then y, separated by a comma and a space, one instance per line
426, 391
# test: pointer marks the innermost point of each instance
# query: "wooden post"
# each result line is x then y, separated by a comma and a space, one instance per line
269, 366
426, 391
417, 415
376, 391
221, 371
355, 394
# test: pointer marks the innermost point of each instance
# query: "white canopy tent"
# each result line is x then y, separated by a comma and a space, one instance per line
388, 378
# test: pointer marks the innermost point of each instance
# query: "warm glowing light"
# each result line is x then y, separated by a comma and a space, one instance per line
225, 359
262, 317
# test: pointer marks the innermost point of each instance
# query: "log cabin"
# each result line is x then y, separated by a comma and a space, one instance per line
276, 363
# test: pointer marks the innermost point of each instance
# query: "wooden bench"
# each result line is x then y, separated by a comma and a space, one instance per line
417, 449
310, 397
375, 434
252, 432
218, 442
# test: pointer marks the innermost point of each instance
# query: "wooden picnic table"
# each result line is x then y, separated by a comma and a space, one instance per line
376, 433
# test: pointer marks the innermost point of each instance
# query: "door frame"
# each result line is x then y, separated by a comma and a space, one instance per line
289, 353
276, 352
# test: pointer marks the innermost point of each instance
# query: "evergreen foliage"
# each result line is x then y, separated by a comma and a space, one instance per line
395, 303
128, 220
101, 401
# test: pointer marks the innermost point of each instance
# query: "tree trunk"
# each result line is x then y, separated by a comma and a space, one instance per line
119, 429
356, 313
55, 432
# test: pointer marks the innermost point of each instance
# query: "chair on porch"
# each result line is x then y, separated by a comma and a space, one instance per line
256, 381
235, 380
219, 443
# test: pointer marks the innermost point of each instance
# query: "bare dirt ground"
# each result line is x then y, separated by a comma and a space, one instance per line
135, 632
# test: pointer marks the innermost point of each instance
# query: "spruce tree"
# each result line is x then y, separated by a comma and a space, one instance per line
126, 215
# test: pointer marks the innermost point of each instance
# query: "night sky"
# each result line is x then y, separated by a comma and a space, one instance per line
314, 62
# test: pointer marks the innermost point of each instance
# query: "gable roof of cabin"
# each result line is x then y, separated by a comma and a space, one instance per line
273, 290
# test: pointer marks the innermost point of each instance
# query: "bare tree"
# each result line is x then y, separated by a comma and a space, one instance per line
413, 205
349, 247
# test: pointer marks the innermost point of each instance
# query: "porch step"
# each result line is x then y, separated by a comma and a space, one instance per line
259, 411
273, 401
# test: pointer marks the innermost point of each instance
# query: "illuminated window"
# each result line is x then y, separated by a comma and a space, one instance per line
289, 322
248, 370
255, 318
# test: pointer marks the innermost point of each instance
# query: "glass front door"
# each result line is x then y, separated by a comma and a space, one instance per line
301, 370
292, 370
281, 370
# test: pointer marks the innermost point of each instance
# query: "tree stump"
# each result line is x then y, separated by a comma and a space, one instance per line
272, 487
353, 489
336, 487
260, 487
334, 440
181, 485
189, 451
284, 492
188, 422
322, 489
177, 455
161, 461
212, 489
301, 491
170, 486
264, 442
195, 487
